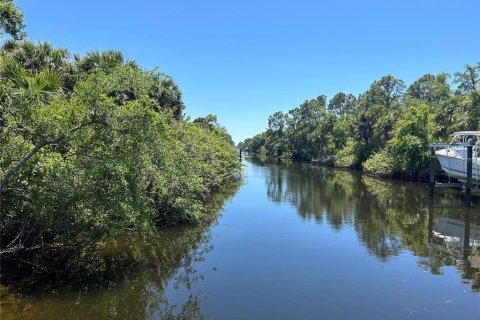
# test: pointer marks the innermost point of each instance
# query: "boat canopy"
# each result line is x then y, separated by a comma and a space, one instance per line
464, 136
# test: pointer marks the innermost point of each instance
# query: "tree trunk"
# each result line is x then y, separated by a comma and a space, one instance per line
10, 173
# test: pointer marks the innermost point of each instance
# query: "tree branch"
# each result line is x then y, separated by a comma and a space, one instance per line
10, 173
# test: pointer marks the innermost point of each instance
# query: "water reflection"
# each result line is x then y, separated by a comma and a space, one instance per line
124, 278
296, 242
388, 216
455, 240
138, 297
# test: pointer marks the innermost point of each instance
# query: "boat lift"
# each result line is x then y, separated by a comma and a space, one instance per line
460, 159
468, 182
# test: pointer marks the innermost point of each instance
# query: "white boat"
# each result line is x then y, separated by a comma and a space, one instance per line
453, 156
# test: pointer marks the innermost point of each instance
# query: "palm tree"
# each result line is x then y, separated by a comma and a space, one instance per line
167, 94
35, 58
36, 87
104, 60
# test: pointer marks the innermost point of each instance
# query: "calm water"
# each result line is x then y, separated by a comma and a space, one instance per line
294, 242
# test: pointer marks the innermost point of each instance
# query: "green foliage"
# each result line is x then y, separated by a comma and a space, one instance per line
255, 143
34, 58
430, 88
385, 131
469, 79
211, 124
106, 61
386, 92
407, 153
469, 88
346, 157
276, 141
411, 139
307, 127
96, 146
342, 104
304, 132
11, 20
340, 133
380, 163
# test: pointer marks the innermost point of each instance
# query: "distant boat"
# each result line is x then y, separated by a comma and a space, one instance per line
453, 157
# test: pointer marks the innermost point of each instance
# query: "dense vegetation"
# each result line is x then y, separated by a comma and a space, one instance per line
385, 130
93, 144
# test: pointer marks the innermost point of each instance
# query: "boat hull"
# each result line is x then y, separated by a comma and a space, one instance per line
454, 163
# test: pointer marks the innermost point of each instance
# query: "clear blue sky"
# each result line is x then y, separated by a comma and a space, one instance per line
243, 60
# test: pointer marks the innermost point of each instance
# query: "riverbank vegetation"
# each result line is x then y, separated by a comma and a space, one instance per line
385, 131
128, 272
92, 145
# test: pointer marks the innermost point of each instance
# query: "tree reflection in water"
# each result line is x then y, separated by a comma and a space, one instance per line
131, 277
123, 278
388, 216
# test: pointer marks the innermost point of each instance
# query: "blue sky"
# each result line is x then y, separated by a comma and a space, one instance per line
244, 60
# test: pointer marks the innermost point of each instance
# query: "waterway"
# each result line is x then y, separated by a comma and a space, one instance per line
294, 242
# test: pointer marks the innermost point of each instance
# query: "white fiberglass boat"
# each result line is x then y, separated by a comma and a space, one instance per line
453, 156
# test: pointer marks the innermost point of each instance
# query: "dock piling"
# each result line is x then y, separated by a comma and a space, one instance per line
468, 185
432, 172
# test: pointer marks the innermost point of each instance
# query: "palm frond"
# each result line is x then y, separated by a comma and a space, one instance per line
48, 80
13, 72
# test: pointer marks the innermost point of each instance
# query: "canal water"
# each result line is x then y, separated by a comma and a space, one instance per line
294, 242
